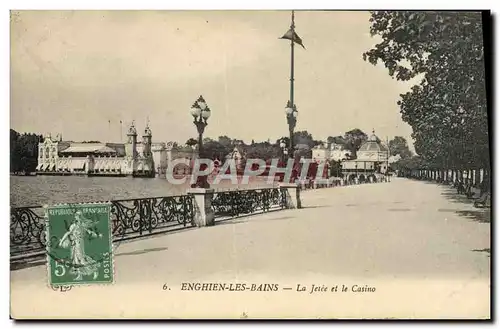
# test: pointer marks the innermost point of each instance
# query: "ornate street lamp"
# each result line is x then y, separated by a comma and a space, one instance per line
200, 113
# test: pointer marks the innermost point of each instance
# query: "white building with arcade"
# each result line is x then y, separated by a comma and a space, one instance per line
133, 158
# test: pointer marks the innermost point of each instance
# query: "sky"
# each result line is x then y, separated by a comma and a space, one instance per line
80, 73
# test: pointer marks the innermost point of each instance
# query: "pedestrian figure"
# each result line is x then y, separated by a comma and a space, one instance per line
485, 194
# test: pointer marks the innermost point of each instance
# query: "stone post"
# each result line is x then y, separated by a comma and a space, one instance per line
203, 212
292, 195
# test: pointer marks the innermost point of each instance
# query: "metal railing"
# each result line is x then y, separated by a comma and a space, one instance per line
134, 218
243, 202
130, 219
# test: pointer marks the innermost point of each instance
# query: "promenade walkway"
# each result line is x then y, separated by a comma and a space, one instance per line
425, 252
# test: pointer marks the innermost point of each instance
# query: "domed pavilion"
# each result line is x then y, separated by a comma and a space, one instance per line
371, 158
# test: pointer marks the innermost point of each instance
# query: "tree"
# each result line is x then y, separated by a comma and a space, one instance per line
263, 150
225, 141
14, 154
353, 140
447, 107
212, 149
191, 142
24, 151
236, 142
303, 137
339, 140
335, 168
398, 145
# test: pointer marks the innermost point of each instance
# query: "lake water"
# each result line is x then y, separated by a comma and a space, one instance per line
47, 190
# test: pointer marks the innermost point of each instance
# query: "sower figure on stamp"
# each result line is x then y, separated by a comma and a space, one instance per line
73, 239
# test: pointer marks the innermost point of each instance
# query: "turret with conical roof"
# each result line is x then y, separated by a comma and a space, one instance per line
132, 132
146, 141
131, 146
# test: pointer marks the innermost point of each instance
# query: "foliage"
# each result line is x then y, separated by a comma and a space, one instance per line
303, 137
303, 143
335, 168
398, 145
263, 150
413, 162
225, 141
191, 142
339, 140
23, 152
214, 150
447, 107
353, 140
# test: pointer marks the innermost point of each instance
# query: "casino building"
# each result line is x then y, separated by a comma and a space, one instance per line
133, 158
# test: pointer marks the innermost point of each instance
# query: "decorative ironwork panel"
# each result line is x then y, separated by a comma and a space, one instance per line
130, 218
27, 230
242, 202
143, 216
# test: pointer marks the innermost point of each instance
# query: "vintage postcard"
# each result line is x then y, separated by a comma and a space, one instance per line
271, 164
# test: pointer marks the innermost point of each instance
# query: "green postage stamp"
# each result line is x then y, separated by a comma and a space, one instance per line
79, 244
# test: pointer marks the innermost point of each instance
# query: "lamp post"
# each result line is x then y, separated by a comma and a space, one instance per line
291, 118
291, 109
200, 113
284, 151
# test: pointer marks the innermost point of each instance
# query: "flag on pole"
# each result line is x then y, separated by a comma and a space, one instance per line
291, 35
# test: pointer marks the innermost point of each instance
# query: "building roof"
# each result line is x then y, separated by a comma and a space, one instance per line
118, 147
373, 144
89, 148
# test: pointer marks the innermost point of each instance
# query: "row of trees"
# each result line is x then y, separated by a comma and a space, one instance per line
23, 152
266, 150
447, 107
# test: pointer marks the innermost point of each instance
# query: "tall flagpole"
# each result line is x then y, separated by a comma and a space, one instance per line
292, 45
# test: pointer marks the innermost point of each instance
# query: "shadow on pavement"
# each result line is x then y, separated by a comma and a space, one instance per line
324, 206
481, 215
244, 219
476, 215
453, 196
140, 252
20, 265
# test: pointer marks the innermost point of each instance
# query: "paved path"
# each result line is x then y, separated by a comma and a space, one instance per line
422, 249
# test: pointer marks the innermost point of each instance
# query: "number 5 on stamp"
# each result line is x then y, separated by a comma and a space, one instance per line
79, 244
